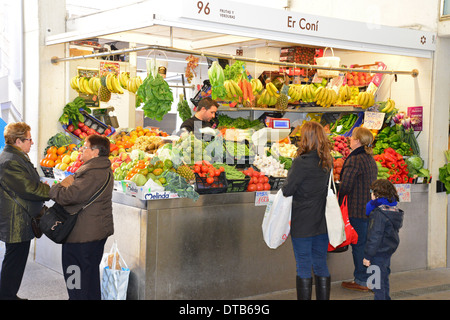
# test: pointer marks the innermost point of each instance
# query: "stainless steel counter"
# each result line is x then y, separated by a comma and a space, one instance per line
214, 249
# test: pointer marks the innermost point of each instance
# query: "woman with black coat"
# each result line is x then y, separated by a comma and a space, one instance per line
358, 173
307, 182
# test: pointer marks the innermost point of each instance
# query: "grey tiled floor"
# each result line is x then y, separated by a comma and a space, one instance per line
42, 283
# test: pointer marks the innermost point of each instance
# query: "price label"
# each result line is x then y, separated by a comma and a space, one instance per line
404, 192
261, 198
373, 120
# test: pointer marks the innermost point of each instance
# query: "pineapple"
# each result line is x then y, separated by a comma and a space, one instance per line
282, 100
103, 93
186, 172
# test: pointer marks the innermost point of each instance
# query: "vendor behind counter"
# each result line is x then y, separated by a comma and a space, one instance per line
205, 117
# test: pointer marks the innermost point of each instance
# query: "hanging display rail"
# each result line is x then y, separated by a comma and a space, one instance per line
55, 60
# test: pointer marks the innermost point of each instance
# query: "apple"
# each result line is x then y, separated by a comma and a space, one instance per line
81, 124
85, 128
70, 128
77, 132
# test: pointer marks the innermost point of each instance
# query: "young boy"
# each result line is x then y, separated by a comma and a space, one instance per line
385, 220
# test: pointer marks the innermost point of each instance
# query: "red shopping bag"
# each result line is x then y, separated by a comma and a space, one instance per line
351, 237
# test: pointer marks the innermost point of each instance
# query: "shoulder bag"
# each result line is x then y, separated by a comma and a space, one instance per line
333, 216
34, 220
276, 224
57, 223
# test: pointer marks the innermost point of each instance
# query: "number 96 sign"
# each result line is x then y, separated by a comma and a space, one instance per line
203, 7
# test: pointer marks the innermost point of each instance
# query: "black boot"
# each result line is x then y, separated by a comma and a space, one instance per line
304, 288
322, 288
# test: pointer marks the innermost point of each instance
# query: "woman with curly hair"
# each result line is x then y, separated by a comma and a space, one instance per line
307, 182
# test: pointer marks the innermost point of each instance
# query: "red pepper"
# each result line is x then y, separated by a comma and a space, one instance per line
390, 157
390, 151
399, 156
405, 179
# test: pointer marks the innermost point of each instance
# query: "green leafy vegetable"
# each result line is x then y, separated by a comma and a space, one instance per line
176, 183
217, 78
156, 96
183, 109
234, 71
71, 112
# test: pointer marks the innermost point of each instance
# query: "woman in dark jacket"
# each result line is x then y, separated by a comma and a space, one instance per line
21, 197
85, 244
307, 182
358, 173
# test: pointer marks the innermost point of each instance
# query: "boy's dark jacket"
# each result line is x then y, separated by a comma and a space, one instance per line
382, 233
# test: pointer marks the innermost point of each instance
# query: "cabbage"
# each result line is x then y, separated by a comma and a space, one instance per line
137, 154
415, 162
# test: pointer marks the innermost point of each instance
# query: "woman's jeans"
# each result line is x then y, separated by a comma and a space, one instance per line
311, 252
360, 274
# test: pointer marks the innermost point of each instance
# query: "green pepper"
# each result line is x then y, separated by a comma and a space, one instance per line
394, 138
381, 136
395, 145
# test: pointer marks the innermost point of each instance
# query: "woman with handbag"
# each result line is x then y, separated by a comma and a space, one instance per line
307, 182
84, 246
358, 173
22, 195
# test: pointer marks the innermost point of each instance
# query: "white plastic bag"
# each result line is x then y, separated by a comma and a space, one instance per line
276, 224
333, 216
115, 275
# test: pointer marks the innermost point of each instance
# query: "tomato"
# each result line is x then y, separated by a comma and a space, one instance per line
249, 172
205, 169
261, 180
251, 187
259, 187
266, 179
254, 180
266, 186
222, 169
197, 169
217, 172
209, 180
245, 172
256, 173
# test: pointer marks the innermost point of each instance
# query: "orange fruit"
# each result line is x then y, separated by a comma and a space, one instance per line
53, 157
52, 149
50, 163
61, 150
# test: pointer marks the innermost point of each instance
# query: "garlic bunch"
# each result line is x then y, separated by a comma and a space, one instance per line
270, 166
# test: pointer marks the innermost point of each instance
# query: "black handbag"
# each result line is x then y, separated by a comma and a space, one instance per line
57, 223
34, 220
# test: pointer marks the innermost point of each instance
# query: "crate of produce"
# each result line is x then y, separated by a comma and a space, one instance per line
90, 124
238, 185
48, 172
276, 182
219, 184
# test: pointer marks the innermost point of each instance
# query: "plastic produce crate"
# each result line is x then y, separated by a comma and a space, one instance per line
238, 185
93, 123
276, 182
220, 184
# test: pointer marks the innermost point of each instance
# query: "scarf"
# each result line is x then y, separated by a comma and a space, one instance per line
372, 204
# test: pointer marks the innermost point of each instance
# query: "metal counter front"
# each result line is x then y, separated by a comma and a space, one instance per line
213, 248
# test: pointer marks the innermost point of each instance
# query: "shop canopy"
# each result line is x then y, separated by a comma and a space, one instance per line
201, 25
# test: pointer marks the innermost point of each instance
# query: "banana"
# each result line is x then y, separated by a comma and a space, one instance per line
392, 105
116, 85
319, 94
371, 100
272, 89
83, 84
232, 89
86, 86
236, 88
92, 84
108, 82
123, 79
74, 83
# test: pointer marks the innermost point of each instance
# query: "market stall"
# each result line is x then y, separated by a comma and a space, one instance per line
188, 212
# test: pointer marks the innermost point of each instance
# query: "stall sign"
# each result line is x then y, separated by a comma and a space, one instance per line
416, 116
373, 120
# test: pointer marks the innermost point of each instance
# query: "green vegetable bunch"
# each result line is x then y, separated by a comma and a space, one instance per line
444, 172
71, 112
238, 123
217, 78
156, 95
176, 183
183, 109
234, 71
